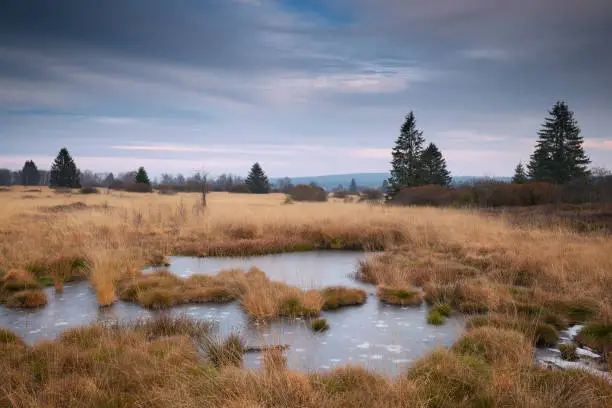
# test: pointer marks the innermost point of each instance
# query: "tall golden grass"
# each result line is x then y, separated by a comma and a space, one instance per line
158, 364
528, 279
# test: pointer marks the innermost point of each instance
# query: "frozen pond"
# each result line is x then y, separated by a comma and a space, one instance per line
381, 337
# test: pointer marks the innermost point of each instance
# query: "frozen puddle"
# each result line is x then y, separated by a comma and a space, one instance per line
382, 337
588, 360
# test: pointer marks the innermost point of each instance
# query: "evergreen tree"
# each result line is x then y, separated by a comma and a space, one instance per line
142, 177
29, 174
64, 172
406, 163
5, 177
520, 175
558, 156
257, 181
109, 180
353, 188
433, 166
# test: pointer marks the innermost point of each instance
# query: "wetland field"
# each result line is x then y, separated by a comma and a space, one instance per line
120, 299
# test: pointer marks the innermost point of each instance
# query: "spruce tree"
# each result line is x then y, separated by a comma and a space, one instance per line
558, 156
433, 166
257, 181
520, 175
109, 180
29, 174
142, 177
353, 188
406, 163
64, 172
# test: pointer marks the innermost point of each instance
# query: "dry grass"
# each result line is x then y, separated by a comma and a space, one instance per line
528, 280
260, 297
337, 296
158, 364
404, 296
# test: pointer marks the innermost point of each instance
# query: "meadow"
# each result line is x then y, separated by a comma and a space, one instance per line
518, 284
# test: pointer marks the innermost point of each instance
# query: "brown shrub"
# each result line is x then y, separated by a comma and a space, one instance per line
304, 192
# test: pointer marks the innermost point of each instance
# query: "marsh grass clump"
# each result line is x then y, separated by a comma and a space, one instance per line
319, 325
223, 353
404, 296
568, 351
337, 296
8, 337
597, 336
444, 309
27, 299
435, 318
17, 279
496, 346
445, 379
542, 334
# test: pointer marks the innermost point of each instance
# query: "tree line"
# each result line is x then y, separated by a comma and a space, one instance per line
558, 158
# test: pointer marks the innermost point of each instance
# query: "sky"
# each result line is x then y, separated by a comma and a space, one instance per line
305, 87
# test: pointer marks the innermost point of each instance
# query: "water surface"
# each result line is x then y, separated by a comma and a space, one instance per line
382, 337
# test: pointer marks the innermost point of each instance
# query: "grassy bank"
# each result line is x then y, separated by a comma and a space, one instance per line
176, 362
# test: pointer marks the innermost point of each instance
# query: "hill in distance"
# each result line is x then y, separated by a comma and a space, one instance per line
369, 180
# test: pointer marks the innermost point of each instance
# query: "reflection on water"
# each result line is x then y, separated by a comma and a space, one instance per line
382, 337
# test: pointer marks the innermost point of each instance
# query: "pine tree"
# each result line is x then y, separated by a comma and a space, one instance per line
433, 166
520, 175
64, 172
353, 188
142, 177
109, 180
257, 181
29, 174
406, 163
558, 156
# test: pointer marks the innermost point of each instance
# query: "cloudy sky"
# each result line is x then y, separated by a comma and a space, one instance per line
306, 87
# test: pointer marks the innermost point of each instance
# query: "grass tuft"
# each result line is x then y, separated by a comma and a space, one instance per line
319, 325
568, 351
399, 296
27, 299
435, 318
337, 296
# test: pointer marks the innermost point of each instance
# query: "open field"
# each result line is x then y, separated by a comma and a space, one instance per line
521, 283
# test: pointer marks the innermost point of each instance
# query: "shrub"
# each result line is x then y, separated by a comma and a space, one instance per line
434, 317
371, 195
341, 194
304, 192
399, 296
338, 296
89, 190
133, 187
319, 325
239, 189
568, 351
29, 299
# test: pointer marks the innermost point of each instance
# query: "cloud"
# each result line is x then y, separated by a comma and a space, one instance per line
595, 144
250, 80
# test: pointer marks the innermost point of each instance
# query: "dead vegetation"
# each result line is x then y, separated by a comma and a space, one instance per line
177, 362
